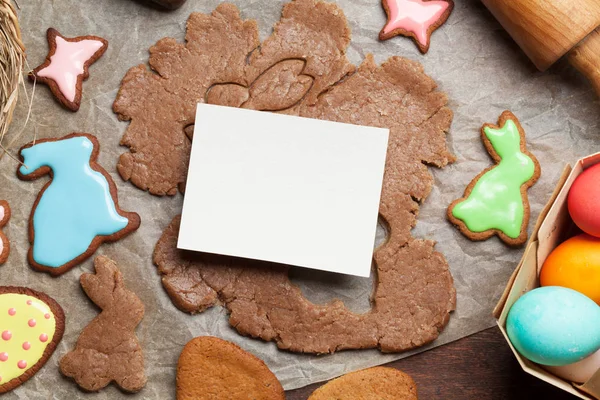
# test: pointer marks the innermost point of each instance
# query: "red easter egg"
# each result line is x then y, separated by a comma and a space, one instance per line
584, 201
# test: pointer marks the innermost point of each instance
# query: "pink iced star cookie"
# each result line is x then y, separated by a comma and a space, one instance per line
415, 18
66, 65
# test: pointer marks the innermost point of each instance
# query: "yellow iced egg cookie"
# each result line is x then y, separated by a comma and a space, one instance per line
31, 325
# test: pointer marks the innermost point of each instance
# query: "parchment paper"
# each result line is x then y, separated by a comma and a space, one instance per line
473, 60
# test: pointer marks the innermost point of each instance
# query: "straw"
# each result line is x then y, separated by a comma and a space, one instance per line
12, 59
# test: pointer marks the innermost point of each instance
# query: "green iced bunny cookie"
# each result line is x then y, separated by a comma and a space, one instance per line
495, 202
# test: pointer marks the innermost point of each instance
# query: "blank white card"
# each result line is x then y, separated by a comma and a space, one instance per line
285, 189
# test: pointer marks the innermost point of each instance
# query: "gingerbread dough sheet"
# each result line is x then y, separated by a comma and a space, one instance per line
414, 291
471, 59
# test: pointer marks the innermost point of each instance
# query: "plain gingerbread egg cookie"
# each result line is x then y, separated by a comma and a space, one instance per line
380, 383
215, 369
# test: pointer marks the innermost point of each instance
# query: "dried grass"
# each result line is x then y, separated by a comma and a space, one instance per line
12, 59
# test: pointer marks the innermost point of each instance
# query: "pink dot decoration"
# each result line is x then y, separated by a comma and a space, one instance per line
12, 311
3, 356
0, 379
43, 337
31, 322
22, 364
26, 345
6, 335
47, 316
28, 302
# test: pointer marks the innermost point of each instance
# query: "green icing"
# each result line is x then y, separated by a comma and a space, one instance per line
495, 202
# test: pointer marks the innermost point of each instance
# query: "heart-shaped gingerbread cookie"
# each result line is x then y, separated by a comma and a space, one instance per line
32, 325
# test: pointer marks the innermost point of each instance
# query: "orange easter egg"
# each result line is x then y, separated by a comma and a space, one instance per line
575, 264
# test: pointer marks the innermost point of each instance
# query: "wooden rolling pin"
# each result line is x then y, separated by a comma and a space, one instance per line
547, 30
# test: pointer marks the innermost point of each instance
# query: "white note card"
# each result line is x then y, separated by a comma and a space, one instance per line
284, 189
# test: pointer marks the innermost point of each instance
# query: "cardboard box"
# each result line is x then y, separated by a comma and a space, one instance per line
553, 227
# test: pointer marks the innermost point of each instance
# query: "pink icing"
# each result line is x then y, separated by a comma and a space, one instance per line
22, 364
26, 346
3, 356
415, 16
11, 311
43, 337
47, 316
31, 322
67, 63
6, 335
28, 302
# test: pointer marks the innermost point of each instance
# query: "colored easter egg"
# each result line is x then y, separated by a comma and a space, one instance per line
584, 201
579, 372
575, 264
554, 326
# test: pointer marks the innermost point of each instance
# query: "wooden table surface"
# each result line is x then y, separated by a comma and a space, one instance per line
478, 367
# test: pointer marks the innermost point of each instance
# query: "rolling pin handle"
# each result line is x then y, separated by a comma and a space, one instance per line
586, 58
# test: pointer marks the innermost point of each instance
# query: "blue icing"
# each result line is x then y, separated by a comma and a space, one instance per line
75, 207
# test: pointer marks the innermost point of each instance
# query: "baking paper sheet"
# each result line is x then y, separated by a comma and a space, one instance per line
471, 58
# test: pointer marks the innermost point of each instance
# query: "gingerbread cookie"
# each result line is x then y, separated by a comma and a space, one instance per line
496, 202
212, 368
74, 214
108, 349
381, 383
416, 19
31, 324
414, 291
4, 243
66, 65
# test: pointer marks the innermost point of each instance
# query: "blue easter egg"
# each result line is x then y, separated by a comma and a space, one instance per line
554, 326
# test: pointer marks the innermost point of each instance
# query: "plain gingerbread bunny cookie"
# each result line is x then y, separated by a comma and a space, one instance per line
108, 349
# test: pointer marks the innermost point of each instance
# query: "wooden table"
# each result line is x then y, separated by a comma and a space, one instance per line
478, 367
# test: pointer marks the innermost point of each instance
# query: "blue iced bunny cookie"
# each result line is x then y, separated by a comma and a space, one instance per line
77, 210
